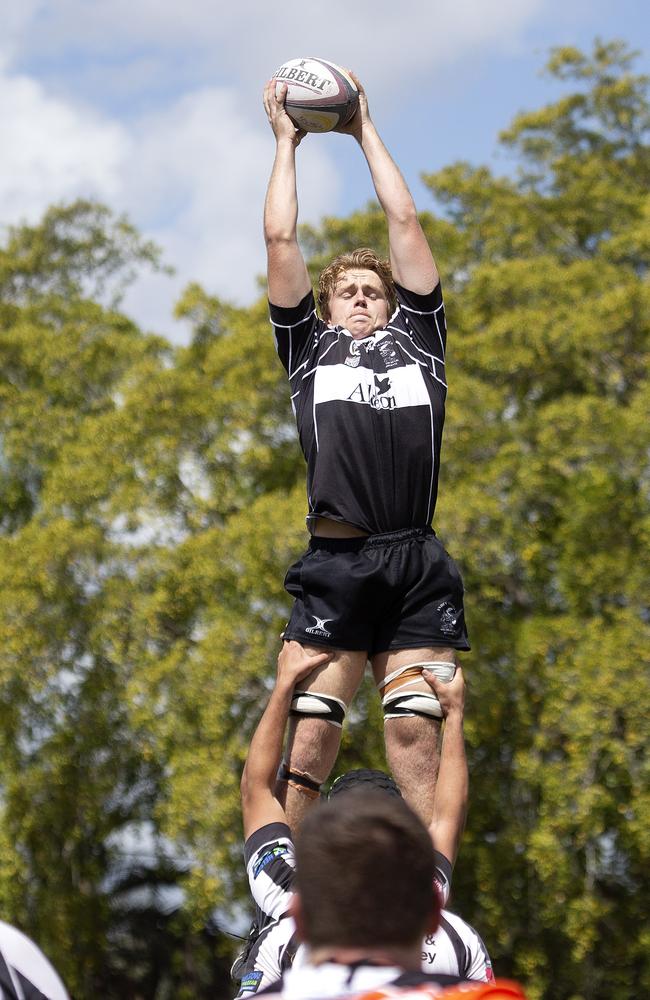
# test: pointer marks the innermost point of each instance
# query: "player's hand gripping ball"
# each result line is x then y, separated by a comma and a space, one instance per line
321, 95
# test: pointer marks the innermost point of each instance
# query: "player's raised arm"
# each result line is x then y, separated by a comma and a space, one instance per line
411, 260
259, 804
288, 280
450, 801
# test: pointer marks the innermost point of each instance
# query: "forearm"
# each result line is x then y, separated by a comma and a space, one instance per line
450, 804
391, 188
410, 255
281, 205
265, 750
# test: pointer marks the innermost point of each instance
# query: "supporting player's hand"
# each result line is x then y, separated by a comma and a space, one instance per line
295, 663
278, 118
450, 694
361, 116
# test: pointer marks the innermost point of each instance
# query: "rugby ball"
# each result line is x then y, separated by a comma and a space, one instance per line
321, 95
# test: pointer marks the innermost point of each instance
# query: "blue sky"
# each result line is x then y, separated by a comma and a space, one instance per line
155, 108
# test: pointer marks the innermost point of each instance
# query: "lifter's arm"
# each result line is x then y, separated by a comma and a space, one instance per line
259, 804
411, 260
450, 802
288, 280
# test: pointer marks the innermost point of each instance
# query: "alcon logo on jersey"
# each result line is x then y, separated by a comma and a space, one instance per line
374, 395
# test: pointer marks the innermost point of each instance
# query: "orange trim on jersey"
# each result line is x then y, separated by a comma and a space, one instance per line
500, 989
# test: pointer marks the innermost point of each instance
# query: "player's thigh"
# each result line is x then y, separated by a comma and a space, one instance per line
340, 677
386, 663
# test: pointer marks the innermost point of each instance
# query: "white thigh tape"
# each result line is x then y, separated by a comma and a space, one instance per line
313, 705
399, 702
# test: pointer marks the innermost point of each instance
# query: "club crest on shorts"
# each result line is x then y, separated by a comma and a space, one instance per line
448, 618
319, 627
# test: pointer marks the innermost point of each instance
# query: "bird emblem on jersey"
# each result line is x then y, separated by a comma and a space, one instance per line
382, 383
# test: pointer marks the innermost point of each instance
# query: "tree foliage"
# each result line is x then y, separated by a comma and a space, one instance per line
151, 500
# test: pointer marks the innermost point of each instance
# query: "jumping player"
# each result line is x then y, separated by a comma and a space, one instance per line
368, 391
454, 948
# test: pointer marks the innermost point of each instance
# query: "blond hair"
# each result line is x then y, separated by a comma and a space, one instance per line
364, 258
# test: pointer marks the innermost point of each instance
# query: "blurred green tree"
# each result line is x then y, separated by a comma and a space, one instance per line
151, 500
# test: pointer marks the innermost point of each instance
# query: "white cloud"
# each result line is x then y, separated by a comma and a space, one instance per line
192, 172
389, 46
197, 185
192, 177
52, 150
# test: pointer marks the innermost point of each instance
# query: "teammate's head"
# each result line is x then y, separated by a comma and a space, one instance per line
365, 874
376, 282
364, 778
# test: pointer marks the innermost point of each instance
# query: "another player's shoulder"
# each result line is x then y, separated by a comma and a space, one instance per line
267, 844
446, 988
442, 876
458, 923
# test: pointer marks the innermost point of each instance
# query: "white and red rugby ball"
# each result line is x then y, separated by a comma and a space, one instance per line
321, 95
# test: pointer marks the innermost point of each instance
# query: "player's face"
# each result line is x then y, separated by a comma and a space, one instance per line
358, 303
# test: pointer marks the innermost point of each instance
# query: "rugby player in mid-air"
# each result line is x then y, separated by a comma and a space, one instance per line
453, 947
368, 391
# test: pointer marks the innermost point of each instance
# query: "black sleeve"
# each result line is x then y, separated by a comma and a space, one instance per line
443, 876
296, 332
426, 319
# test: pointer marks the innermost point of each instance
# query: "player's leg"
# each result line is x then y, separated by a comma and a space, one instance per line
424, 624
412, 720
314, 737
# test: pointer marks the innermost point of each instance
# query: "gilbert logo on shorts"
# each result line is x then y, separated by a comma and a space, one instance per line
319, 627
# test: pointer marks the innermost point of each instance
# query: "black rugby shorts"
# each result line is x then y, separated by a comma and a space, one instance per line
400, 590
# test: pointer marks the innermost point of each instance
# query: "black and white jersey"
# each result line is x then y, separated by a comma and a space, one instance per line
332, 979
25, 973
457, 949
454, 950
369, 412
270, 867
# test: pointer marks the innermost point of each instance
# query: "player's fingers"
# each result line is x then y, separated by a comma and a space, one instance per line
266, 97
317, 659
357, 81
281, 94
434, 680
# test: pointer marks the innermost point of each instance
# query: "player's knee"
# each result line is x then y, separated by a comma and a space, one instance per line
415, 736
312, 747
402, 694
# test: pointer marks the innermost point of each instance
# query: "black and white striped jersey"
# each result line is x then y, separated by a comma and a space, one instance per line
270, 867
369, 412
455, 949
25, 973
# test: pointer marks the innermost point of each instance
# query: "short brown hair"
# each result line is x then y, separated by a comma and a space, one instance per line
365, 872
364, 258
